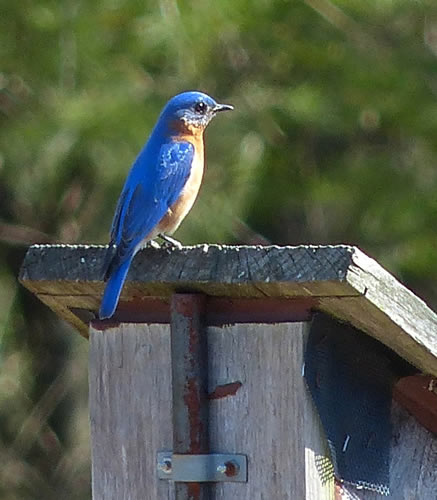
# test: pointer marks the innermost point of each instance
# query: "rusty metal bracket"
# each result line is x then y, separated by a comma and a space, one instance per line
189, 378
212, 467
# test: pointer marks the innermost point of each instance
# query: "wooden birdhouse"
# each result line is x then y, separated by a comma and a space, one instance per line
251, 373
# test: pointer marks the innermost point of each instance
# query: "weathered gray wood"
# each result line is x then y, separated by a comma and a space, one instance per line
413, 465
346, 283
269, 416
157, 270
130, 411
413, 472
319, 470
389, 312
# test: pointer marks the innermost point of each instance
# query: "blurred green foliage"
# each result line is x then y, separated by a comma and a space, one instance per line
334, 139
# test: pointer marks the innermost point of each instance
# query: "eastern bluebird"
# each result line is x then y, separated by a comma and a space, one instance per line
161, 187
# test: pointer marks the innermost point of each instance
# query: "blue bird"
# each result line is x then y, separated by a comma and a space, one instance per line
161, 187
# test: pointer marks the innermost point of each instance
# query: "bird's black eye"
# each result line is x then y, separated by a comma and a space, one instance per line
200, 108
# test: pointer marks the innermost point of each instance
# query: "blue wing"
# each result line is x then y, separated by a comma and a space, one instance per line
150, 189
148, 193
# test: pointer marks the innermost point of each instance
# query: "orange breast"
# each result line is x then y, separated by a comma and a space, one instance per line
177, 212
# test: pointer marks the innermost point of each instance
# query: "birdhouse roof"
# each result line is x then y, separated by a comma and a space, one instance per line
244, 284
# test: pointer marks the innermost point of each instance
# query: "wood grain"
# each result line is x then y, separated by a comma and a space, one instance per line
343, 281
270, 417
130, 411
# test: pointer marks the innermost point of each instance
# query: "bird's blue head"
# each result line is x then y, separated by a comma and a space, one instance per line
190, 112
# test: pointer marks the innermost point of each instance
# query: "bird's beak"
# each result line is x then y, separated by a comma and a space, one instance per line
223, 107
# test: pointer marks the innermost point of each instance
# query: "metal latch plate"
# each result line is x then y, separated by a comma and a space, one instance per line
212, 467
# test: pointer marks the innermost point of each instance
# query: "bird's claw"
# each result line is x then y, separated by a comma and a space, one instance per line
154, 244
170, 242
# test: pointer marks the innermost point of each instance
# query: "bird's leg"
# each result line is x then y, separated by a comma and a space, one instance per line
171, 241
150, 243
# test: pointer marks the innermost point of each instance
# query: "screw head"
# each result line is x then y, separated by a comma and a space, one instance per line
221, 469
165, 466
230, 469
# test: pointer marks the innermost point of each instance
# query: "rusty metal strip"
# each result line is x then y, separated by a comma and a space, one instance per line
189, 385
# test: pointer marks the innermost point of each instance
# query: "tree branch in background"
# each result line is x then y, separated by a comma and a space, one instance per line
22, 235
244, 234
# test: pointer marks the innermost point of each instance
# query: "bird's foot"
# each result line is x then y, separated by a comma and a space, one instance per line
170, 242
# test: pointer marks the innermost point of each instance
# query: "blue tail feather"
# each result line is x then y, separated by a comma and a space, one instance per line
113, 289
